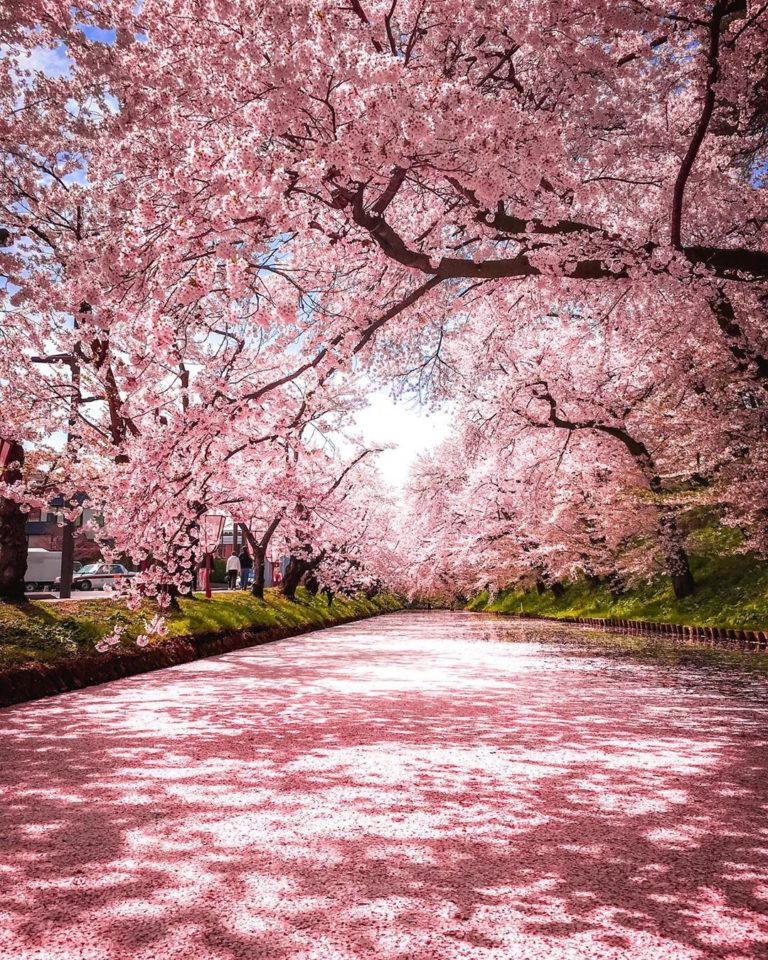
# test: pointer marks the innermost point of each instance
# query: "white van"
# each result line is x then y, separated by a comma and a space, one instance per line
43, 569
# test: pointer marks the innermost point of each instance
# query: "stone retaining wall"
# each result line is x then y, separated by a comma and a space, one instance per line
720, 636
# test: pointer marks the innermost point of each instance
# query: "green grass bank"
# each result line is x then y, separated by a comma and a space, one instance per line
48, 633
731, 591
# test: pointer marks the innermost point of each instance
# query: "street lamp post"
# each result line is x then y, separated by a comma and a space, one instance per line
211, 527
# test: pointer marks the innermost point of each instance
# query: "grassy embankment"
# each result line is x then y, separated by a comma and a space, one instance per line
731, 591
48, 632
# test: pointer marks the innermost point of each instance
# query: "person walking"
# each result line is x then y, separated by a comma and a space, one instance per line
233, 570
246, 567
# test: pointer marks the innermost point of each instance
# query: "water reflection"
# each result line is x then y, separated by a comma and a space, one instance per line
689, 664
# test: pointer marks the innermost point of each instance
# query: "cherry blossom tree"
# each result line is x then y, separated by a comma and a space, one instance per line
427, 147
578, 443
218, 210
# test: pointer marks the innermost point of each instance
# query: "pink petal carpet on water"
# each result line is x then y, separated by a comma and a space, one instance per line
406, 787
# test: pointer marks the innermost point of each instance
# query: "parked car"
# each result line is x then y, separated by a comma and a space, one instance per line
96, 576
43, 569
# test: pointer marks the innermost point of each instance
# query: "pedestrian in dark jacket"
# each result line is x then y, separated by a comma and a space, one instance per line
246, 568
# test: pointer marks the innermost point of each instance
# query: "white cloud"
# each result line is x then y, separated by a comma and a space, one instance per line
52, 61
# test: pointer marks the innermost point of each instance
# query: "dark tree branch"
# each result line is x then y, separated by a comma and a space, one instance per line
396, 181
363, 16
708, 106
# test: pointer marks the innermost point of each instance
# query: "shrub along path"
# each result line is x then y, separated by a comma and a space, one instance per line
403, 787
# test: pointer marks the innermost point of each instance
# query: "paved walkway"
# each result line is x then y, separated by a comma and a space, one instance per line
408, 787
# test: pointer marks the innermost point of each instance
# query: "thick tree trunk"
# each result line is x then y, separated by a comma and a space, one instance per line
258, 573
13, 538
675, 557
670, 540
293, 574
172, 592
13, 551
67, 559
188, 539
312, 585
557, 589
192, 530
616, 584
671, 544
259, 551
